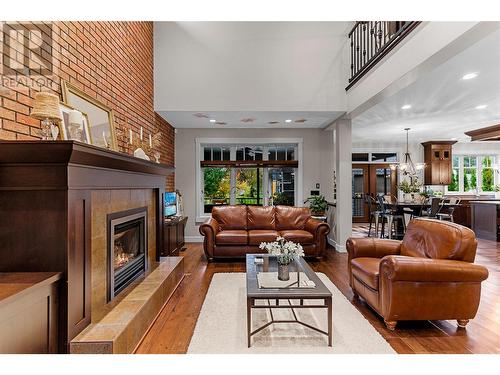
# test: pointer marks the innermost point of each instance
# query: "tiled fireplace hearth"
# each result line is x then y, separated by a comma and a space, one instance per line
93, 213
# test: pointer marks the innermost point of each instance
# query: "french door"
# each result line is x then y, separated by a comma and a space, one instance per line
370, 179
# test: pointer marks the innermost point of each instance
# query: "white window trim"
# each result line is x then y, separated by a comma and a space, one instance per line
479, 175
299, 196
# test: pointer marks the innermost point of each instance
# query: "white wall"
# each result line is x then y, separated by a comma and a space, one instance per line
317, 161
250, 66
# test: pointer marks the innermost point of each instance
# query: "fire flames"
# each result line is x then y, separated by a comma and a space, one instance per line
121, 258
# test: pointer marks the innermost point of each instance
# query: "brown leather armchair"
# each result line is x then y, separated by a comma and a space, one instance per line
234, 231
429, 275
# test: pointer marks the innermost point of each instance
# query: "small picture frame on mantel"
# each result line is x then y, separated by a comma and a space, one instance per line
69, 131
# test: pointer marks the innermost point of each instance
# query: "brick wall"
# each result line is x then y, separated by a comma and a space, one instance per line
111, 61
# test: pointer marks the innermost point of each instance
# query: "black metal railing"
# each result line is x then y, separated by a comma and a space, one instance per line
372, 40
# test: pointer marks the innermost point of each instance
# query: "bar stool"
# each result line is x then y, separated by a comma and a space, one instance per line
374, 214
392, 218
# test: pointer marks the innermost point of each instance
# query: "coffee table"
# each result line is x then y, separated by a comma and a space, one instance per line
289, 294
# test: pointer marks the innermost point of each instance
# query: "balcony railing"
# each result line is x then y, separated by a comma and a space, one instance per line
372, 40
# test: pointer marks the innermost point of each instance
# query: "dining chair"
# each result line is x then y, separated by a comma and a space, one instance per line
434, 209
452, 204
391, 217
374, 213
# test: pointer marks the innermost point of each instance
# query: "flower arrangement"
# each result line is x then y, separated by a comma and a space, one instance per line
285, 251
409, 187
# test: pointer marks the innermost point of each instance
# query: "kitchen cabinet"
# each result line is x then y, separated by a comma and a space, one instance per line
438, 160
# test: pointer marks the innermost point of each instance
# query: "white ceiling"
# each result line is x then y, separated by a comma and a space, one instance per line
442, 104
251, 119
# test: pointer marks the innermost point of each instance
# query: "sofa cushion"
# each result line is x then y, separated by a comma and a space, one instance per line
230, 217
256, 236
260, 217
298, 236
291, 217
231, 237
366, 270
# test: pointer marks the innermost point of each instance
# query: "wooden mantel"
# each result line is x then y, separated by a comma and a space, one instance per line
46, 192
490, 133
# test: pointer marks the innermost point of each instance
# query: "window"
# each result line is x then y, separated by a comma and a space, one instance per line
454, 186
374, 157
488, 174
217, 185
246, 183
472, 173
384, 157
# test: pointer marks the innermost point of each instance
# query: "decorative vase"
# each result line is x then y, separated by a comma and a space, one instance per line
283, 272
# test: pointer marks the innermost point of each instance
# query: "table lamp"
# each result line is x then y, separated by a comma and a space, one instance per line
47, 110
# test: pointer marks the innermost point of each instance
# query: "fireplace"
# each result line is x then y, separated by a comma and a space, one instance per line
127, 248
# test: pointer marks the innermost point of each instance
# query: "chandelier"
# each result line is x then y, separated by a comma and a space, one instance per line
408, 167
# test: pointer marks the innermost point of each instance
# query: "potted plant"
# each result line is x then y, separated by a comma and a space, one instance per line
285, 252
317, 204
409, 188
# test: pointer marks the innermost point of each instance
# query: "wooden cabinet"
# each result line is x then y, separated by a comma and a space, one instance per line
438, 159
173, 236
29, 303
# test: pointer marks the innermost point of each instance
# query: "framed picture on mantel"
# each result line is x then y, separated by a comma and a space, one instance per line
100, 116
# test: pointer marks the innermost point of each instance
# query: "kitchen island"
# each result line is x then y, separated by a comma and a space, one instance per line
485, 218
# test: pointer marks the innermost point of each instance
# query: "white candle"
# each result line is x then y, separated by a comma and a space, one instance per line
150, 142
130, 136
104, 139
141, 133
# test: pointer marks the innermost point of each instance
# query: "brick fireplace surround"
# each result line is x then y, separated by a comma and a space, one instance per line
110, 61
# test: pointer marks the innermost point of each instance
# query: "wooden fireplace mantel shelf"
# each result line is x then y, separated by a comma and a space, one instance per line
43, 165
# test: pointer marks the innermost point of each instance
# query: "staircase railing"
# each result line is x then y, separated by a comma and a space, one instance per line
372, 40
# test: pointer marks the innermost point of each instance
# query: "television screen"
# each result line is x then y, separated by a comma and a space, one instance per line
170, 198
170, 210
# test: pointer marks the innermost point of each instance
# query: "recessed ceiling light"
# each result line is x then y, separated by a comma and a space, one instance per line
212, 120
482, 106
469, 76
406, 106
287, 121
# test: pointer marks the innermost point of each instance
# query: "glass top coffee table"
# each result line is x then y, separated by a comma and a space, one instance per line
304, 284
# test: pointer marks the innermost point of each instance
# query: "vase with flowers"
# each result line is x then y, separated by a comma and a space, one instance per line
409, 188
285, 252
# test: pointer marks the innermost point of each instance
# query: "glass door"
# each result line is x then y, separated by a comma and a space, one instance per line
370, 179
360, 187
382, 181
281, 186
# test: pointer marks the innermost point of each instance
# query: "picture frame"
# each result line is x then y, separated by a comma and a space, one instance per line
100, 117
64, 124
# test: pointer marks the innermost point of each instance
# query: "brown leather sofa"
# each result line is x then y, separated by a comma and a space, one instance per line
429, 275
234, 231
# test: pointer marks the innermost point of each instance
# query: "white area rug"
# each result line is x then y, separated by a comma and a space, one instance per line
221, 326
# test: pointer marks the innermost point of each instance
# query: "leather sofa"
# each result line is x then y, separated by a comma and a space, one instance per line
429, 275
234, 231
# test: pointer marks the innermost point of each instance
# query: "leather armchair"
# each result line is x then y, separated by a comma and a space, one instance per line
429, 275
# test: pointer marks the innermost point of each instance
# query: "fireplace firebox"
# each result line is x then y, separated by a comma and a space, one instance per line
127, 248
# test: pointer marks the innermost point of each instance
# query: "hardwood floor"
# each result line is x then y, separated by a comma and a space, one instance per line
172, 331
